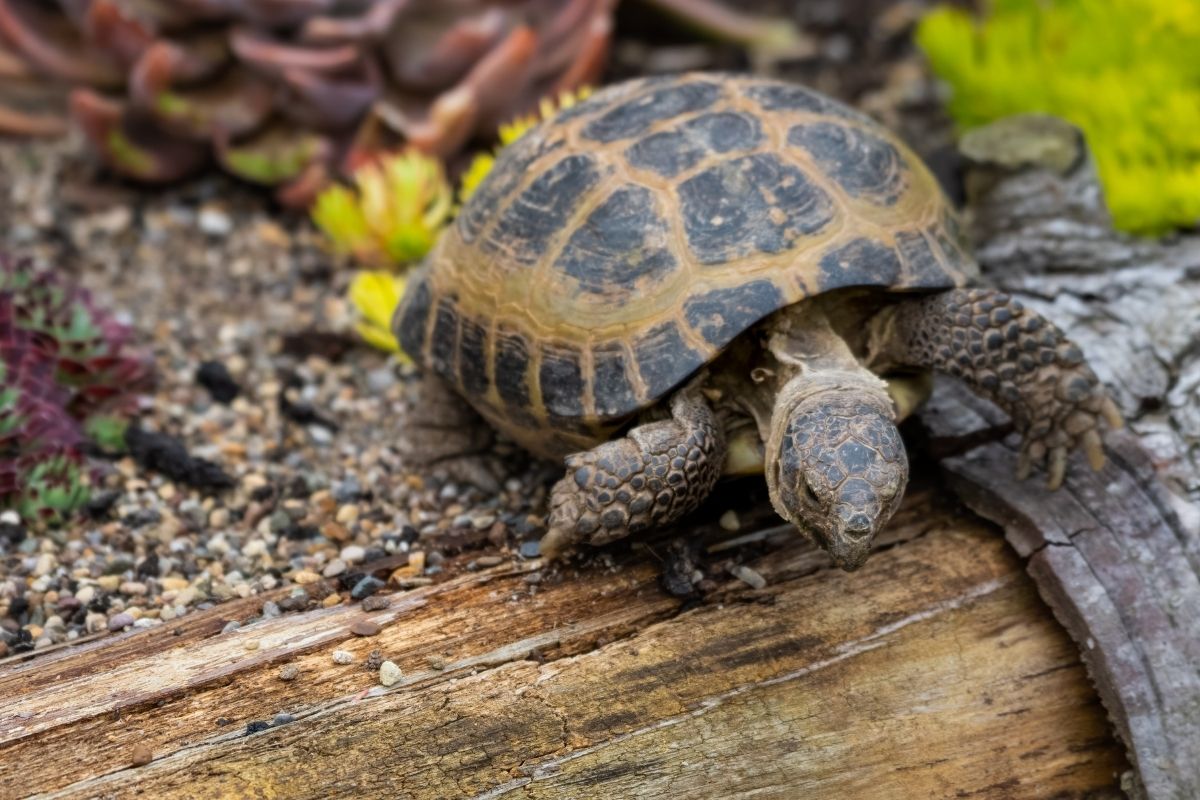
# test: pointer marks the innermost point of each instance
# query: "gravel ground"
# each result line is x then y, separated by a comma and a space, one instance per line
231, 294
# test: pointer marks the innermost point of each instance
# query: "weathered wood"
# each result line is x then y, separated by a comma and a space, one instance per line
933, 670
1116, 554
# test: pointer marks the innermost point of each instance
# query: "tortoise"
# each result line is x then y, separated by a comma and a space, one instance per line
701, 274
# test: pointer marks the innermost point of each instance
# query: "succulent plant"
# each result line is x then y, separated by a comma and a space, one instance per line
289, 92
64, 366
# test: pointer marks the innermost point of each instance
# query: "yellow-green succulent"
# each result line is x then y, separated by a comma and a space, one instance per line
392, 215
1125, 71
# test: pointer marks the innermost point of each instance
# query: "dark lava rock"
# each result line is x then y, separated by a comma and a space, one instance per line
167, 455
256, 726
215, 377
366, 587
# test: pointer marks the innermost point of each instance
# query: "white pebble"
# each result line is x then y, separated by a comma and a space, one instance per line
749, 576
729, 521
389, 674
343, 657
353, 554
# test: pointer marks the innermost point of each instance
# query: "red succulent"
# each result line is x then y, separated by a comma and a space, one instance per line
288, 92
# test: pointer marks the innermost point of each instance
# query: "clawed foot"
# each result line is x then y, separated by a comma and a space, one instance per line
1074, 408
650, 477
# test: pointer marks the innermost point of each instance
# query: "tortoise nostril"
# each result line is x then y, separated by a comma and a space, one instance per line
857, 527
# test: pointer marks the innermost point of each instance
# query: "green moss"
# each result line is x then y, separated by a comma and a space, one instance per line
1124, 71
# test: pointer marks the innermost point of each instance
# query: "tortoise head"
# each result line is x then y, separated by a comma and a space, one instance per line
836, 468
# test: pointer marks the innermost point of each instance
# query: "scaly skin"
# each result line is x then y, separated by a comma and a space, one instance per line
1011, 355
651, 477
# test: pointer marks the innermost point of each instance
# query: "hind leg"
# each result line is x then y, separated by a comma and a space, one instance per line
651, 477
445, 437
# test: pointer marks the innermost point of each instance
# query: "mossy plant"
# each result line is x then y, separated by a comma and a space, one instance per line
1124, 71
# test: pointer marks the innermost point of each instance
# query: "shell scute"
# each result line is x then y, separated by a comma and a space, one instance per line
754, 203
861, 262
670, 152
721, 314
633, 117
622, 247
539, 213
863, 164
664, 358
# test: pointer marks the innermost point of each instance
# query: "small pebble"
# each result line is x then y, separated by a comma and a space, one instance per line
141, 755
531, 548
749, 576
729, 521
376, 602
343, 657
256, 726
389, 674
288, 672
366, 587
119, 621
485, 561
364, 627
282, 718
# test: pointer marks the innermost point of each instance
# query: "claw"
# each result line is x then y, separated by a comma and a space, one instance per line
1111, 414
1057, 468
555, 543
1093, 445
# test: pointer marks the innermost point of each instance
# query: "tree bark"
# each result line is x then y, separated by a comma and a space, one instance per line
1116, 554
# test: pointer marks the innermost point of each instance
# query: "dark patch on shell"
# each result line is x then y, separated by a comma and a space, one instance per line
512, 368
541, 211
752, 203
472, 357
610, 381
862, 262
561, 378
670, 152
412, 321
510, 169
633, 117
721, 314
621, 247
788, 97
664, 359
863, 164
445, 338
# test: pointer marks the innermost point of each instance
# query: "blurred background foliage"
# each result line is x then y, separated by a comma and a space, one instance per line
1127, 72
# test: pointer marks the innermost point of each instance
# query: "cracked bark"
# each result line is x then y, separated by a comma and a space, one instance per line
1116, 554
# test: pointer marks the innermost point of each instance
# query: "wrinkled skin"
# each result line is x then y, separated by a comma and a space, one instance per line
839, 472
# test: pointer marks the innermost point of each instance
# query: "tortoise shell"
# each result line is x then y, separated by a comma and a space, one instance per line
622, 245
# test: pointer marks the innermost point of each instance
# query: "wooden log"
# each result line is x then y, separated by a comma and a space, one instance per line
1116, 554
934, 670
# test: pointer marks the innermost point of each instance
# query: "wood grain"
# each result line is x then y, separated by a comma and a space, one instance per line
933, 671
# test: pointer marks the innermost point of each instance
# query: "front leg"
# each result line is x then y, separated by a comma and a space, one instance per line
651, 477
1010, 354
445, 437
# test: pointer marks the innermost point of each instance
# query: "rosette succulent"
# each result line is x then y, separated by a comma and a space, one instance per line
289, 92
66, 373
